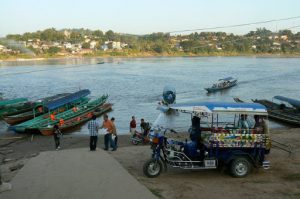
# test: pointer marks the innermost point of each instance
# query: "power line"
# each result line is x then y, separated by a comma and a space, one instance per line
236, 25
237, 40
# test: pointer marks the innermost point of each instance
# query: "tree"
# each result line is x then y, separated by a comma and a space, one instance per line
110, 35
75, 37
86, 45
53, 50
52, 35
98, 33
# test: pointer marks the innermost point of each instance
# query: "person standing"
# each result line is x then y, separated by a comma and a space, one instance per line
132, 126
93, 127
114, 132
145, 127
108, 125
56, 134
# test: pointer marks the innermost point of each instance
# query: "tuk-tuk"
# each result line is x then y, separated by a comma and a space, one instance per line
234, 135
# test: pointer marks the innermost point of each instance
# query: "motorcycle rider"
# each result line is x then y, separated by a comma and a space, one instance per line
145, 127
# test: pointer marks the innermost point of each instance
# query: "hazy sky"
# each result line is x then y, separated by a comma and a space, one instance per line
141, 16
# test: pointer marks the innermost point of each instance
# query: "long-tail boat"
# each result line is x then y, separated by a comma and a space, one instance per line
18, 105
54, 107
38, 108
222, 84
289, 113
96, 108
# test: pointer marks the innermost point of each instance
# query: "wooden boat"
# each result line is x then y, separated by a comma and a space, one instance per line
55, 107
238, 100
4, 103
282, 112
102, 62
40, 104
222, 84
14, 106
45, 120
78, 120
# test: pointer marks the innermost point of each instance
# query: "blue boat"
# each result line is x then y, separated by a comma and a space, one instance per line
222, 84
57, 106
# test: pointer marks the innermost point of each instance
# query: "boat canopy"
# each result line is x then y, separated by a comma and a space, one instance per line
221, 107
67, 99
293, 102
227, 79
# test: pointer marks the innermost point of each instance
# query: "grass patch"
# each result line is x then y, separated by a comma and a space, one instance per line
157, 193
292, 177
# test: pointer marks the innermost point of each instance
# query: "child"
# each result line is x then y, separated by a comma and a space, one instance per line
56, 134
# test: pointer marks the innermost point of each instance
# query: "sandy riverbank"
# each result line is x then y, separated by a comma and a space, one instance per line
147, 55
281, 181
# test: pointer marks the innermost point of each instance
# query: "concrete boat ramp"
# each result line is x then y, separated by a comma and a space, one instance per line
75, 173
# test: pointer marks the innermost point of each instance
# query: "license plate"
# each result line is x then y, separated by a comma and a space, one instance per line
210, 163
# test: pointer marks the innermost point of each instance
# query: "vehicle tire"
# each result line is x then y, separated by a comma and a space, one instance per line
134, 142
240, 167
152, 168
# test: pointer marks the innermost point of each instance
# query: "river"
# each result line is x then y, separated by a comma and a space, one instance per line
135, 84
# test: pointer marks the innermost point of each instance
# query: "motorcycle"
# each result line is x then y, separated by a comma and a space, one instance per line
165, 151
138, 138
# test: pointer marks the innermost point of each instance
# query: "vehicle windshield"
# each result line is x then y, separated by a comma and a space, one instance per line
217, 122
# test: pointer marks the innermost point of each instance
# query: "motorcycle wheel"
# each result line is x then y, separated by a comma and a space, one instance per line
133, 140
152, 168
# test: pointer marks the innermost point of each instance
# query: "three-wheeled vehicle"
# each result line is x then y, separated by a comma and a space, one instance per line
234, 135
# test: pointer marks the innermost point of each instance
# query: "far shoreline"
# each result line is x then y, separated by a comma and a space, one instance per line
20, 59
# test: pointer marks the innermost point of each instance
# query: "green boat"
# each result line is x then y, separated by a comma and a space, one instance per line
45, 120
83, 115
55, 107
4, 103
38, 108
18, 105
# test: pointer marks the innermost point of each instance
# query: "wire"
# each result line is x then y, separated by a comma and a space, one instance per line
236, 40
236, 25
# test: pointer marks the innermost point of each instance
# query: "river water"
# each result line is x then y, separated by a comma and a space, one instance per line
135, 84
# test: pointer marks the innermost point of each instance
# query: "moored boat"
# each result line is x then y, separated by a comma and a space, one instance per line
55, 107
222, 84
39, 107
81, 118
14, 106
287, 111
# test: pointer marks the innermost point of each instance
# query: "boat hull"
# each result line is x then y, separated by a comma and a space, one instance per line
285, 115
77, 120
211, 90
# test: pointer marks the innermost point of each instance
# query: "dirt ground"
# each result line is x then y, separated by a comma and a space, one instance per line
282, 180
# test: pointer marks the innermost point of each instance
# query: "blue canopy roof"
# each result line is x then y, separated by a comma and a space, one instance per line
293, 102
67, 99
226, 79
217, 107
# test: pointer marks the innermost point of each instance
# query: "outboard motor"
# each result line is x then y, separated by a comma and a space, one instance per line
169, 95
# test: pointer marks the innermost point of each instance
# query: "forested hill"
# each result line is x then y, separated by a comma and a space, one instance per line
97, 42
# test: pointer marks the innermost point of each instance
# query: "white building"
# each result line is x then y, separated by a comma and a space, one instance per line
68, 45
93, 44
116, 45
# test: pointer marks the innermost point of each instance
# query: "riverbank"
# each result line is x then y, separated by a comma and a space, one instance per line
282, 180
144, 55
